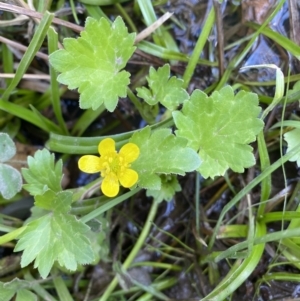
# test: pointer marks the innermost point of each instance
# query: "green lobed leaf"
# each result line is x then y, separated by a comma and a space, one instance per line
168, 91
219, 128
36, 213
6, 294
43, 173
26, 295
99, 237
295, 89
7, 147
8, 289
161, 152
293, 138
57, 236
10, 181
296, 86
169, 186
56, 202
92, 63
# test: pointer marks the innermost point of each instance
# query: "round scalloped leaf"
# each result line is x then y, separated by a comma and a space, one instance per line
161, 152
10, 181
220, 127
293, 138
93, 63
168, 91
7, 147
169, 186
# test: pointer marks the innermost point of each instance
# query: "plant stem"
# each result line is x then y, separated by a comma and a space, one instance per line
138, 245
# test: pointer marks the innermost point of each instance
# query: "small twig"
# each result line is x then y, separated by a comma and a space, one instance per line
146, 32
294, 26
220, 36
34, 14
22, 47
16, 21
26, 76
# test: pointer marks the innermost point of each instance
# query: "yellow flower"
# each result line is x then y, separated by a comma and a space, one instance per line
114, 167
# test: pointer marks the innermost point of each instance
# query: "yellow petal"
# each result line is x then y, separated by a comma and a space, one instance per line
107, 145
89, 164
110, 185
130, 151
128, 178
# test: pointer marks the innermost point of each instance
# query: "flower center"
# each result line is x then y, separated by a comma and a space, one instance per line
114, 163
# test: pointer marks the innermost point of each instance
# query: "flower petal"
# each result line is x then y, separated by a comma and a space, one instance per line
110, 185
130, 151
89, 164
107, 145
128, 178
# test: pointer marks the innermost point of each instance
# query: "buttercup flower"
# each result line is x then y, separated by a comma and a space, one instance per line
114, 167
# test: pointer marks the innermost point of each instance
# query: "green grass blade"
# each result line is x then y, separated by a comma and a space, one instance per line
150, 289
270, 237
248, 188
289, 123
233, 231
86, 119
11, 235
271, 217
291, 257
105, 207
283, 41
45, 122
134, 252
293, 78
161, 52
167, 54
238, 59
281, 276
291, 245
95, 11
61, 288
209, 22
8, 62
74, 13
148, 12
161, 35
266, 183
42, 6
126, 17
34, 46
161, 285
240, 271
52, 46
32, 117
